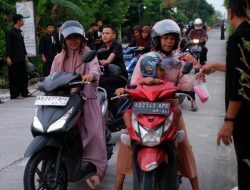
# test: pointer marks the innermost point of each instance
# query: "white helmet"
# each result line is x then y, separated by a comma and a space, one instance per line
198, 24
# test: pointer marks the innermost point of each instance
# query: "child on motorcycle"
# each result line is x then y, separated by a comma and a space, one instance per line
91, 127
165, 37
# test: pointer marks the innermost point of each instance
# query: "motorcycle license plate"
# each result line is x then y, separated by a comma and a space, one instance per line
159, 108
51, 101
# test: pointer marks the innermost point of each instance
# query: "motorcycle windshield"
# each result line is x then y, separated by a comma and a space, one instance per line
58, 80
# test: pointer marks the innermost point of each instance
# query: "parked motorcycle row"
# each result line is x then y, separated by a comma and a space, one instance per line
56, 150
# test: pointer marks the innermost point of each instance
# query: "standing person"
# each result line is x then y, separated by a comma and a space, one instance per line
222, 30
90, 35
57, 37
16, 59
236, 120
91, 127
165, 36
48, 48
98, 34
200, 33
113, 56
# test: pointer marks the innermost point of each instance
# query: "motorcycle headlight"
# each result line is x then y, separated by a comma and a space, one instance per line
151, 137
36, 123
196, 41
60, 122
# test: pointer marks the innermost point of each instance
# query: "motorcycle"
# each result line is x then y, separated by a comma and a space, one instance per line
115, 122
194, 47
131, 56
153, 133
56, 150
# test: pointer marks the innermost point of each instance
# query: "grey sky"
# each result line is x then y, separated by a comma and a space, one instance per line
218, 5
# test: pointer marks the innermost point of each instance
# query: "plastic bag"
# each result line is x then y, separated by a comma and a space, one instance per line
200, 89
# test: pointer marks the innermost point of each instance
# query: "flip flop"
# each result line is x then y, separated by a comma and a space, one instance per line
94, 181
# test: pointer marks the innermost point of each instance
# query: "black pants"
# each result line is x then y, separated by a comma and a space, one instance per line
110, 84
46, 68
203, 54
242, 149
18, 80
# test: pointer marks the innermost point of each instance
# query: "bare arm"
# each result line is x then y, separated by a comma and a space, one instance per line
212, 67
109, 60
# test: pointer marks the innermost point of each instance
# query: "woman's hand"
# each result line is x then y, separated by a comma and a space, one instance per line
87, 78
119, 91
103, 62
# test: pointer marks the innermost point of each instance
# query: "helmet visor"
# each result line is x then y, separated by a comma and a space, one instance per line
72, 30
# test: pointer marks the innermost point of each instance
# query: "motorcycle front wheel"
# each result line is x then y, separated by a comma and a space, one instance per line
40, 172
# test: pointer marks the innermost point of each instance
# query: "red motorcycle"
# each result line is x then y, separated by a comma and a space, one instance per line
153, 128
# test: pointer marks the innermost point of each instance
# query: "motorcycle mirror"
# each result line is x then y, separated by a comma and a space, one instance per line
32, 69
88, 56
114, 70
187, 68
102, 50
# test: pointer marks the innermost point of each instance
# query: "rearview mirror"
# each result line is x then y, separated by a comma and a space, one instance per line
88, 56
187, 68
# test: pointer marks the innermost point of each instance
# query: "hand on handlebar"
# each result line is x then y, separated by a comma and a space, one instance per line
119, 91
87, 78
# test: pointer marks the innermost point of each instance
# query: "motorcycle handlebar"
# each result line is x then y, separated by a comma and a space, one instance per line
79, 82
117, 97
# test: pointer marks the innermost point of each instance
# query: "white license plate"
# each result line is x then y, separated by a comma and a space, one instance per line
51, 101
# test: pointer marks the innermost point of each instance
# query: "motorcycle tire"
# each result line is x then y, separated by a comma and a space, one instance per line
40, 172
158, 179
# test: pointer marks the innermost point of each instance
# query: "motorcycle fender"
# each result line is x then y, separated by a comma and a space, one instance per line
39, 142
150, 158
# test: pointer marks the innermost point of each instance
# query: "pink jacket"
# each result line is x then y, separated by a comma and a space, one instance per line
92, 125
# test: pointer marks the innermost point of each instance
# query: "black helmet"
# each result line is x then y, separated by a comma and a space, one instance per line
72, 27
149, 63
162, 28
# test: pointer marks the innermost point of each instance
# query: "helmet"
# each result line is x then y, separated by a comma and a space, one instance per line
149, 63
72, 27
170, 62
162, 28
198, 24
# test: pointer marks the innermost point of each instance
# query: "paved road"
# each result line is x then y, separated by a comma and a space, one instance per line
216, 165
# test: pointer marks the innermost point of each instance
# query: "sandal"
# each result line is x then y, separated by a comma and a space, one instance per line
94, 181
195, 109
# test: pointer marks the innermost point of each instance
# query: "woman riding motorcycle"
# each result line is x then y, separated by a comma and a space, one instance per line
91, 126
165, 38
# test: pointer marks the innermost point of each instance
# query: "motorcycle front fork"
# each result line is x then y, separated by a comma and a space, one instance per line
57, 167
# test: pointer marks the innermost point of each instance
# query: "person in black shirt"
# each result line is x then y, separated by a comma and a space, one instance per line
48, 49
222, 30
113, 56
237, 94
16, 59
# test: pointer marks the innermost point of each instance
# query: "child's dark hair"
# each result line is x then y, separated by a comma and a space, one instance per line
111, 27
16, 18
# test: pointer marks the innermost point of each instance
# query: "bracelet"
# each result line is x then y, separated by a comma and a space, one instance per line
229, 119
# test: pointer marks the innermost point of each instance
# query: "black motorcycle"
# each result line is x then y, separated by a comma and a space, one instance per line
56, 150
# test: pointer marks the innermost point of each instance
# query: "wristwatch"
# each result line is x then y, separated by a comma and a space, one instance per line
229, 119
